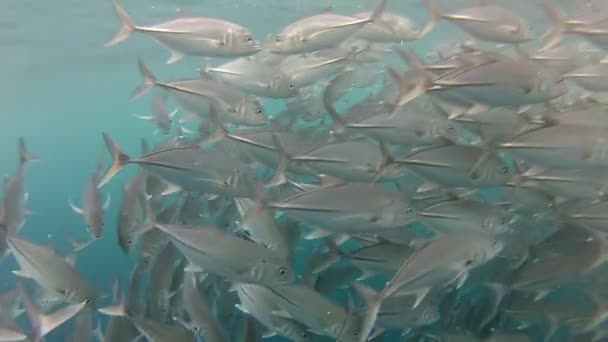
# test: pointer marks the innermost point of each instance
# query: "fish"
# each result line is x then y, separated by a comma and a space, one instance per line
443, 260
198, 95
160, 116
212, 249
15, 195
591, 77
306, 70
485, 22
93, 208
183, 166
203, 320
389, 28
192, 36
321, 31
348, 208
256, 301
51, 271
257, 78
42, 324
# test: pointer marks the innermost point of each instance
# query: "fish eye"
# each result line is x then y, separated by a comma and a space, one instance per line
356, 333
278, 39
374, 219
505, 171
409, 210
163, 309
196, 328
248, 38
129, 242
258, 111
87, 301
282, 271
291, 86
303, 334
468, 262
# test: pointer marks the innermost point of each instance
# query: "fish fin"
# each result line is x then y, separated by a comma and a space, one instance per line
373, 300
378, 11
192, 268
43, 324
282, 313
170, 189
417, 70
120, 159
22, 274
219, 132
420, 295
386, 160
114, 310
143, 117
24, 156
280, 175
541, 294
175, 57
149, 81
462, 279
428, 186
77, 210
127, 27
318, 233
242, 308
559, 25
434, 17
465, 18
106, 205
269, 333
328, 105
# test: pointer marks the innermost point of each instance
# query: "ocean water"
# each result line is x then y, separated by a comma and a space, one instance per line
61, 88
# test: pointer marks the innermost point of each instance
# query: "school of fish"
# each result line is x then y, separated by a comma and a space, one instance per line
462, 197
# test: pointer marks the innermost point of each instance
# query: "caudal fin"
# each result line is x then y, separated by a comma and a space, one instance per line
378, 11
120, 159
373, 302
149, 81
417, 81
24, 156
127, 26
559, 25
434, 17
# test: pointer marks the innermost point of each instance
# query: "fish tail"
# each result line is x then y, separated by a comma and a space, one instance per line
149, 81
373, 300
559, 25
127, 25
434, 18
418, 81
120, 159
378, 11
328, 105
280, 175
24, 156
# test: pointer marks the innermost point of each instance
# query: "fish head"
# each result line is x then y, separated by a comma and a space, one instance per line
397, 213
493, 171
252, 113
126, 240
243, 42
550, 84
429, 315
488, 250
283, 85
272, 272
404, 28
285, 43
499, 223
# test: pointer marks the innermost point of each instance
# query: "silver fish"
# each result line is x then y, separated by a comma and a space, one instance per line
321, 31
257, 301
442, 261
257, 78
591, 77
214, 250
383, 258
485, 22
198, 95
203, 320
161, 117
389, 28
306, 70
458, 166
43, 324
190, 167
93, 208
51, 271
467, 214
193, 36
321, 315
15, 195
348, 208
